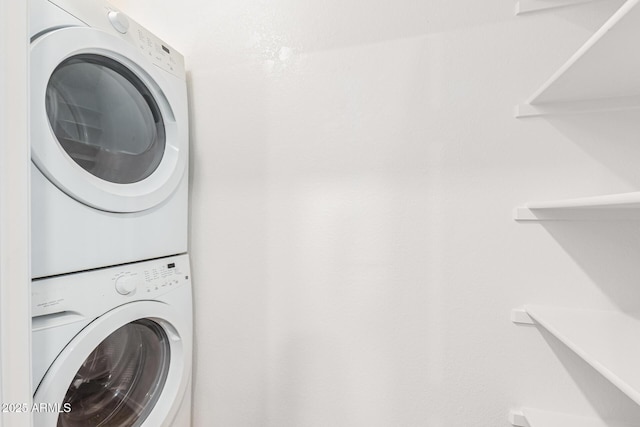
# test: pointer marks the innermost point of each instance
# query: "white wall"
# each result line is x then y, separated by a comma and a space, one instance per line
355, 164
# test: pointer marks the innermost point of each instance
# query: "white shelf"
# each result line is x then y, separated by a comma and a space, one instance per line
610, 206
527, 6
536, 418
604, 74
606, 340
579, 107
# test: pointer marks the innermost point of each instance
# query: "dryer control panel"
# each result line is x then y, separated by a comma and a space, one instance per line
77, 296
102, 15
157, 51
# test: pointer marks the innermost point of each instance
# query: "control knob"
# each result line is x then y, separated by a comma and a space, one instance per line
119, 21
126, 285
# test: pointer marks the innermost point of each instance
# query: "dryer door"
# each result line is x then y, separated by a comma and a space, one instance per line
108, 127
130, 367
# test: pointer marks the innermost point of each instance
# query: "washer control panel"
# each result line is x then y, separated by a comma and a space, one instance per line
92, 293
150, 279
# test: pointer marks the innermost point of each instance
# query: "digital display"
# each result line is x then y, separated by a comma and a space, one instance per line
166, 49
172, 265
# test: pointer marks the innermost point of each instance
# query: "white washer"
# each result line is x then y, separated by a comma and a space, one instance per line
109, 137
113, 347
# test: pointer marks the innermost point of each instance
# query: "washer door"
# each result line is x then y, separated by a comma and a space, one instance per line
128, 368
104, 128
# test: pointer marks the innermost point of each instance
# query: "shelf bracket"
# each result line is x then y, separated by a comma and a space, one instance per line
528, 6
518, 419
521, 317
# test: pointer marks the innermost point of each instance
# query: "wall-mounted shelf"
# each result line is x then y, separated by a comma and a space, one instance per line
610, 206
578, 107
536, 418
606, 340
604, 74
528, 6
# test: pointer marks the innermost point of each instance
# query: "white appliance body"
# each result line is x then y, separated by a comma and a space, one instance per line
113, 346
109, 123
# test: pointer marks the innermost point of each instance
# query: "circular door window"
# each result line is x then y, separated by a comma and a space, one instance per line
108, 127
121, 380
105, 118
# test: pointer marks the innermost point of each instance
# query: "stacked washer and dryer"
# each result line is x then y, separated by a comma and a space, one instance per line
111, 290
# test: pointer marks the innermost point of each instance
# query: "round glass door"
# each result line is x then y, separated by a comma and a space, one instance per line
121, 380
108, 127
105, 118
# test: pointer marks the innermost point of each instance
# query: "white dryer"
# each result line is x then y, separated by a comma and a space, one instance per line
109, 138
113, 346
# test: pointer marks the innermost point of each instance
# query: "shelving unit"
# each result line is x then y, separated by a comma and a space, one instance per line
606, 340
603, 75
536, 418
600, 76
611, 206
527, 6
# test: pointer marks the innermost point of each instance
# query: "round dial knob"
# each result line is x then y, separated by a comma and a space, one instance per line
119, 21
126, 285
